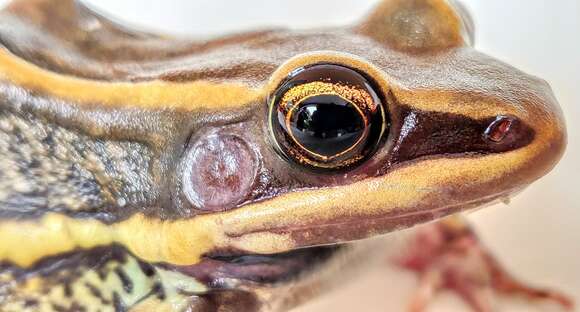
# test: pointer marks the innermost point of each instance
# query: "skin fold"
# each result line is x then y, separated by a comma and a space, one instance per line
139, 171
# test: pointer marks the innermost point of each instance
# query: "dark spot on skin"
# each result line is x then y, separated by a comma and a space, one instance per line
77, 307
102, 273
146, 268
95, 292
125, 280
58, 308
118, 303
159, 291
34, 164
219, 172
30, 303
68, 291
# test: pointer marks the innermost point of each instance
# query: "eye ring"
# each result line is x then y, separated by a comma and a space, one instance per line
326, 117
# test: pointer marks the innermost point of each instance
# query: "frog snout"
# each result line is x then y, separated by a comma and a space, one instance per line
544, 116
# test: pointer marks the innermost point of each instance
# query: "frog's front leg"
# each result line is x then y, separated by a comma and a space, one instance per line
447, 255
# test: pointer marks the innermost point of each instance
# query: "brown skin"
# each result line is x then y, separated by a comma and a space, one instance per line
114, 116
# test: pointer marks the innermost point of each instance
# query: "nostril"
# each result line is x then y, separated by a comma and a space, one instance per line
499, 129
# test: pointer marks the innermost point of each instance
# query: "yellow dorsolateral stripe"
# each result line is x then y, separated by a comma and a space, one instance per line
156, 94
25, 242
178, 242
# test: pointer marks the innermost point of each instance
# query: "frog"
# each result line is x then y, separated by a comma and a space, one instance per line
254, 171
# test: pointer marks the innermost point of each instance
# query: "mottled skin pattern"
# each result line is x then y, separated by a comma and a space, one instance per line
47, 168
97, 122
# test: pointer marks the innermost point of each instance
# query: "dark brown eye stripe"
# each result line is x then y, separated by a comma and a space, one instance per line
421, 134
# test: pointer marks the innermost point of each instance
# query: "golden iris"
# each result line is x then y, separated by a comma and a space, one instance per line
326, 116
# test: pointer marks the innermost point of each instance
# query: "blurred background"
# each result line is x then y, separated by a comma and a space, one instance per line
536, 236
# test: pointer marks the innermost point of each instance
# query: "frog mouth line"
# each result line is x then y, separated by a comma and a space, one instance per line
224, 270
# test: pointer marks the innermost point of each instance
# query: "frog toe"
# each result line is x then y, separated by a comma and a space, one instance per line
447, 256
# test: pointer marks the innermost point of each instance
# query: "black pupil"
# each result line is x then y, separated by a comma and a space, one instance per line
327, 125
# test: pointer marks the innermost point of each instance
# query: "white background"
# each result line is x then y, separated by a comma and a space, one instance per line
538, 235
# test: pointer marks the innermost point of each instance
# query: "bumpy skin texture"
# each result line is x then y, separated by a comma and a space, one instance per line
98, 122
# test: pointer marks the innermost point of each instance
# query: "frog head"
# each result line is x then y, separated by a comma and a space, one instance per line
142, 171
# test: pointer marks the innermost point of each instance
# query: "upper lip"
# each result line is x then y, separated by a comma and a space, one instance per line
316, 233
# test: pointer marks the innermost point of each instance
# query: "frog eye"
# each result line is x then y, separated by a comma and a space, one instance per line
326, 116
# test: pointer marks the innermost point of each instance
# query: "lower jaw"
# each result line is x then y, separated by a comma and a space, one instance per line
290, 289
229, 271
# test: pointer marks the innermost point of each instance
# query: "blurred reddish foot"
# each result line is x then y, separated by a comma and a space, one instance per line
448, 255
